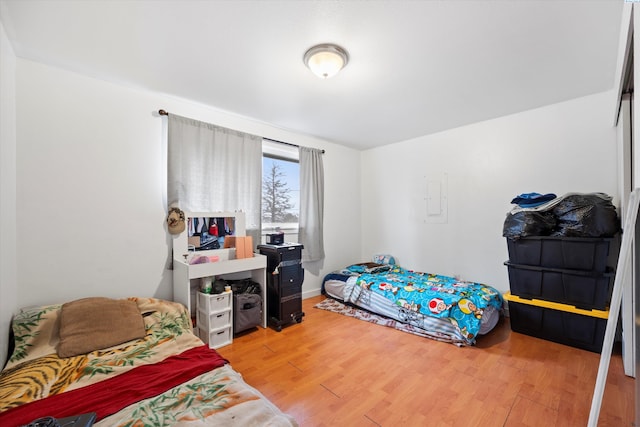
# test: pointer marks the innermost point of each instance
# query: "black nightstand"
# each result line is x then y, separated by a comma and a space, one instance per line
284, 283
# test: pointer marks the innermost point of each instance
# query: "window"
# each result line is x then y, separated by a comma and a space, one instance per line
280, 190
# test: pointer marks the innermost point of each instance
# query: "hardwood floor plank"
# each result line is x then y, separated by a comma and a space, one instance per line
333, 370
527, 413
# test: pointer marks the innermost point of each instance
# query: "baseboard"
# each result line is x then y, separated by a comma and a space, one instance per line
311, 293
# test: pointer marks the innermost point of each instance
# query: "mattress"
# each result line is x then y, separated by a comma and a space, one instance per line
448, 309
167, 377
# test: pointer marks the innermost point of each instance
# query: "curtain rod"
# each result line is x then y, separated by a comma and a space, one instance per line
285, 143
166, 113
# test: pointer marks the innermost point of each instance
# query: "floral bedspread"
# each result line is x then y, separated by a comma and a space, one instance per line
35, 372
462, 302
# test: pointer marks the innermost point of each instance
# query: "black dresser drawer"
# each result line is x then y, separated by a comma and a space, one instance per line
291, 253
292, 275
286, 254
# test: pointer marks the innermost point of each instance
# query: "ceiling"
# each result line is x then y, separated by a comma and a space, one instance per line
416, 67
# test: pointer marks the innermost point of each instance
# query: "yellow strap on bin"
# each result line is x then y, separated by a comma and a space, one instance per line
556, 306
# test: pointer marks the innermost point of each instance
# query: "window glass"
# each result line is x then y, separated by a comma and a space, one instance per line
280, 191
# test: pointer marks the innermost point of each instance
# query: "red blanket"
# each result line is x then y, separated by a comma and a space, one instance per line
109, 396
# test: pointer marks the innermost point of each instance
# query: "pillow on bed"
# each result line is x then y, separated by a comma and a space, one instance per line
368, 267
91, 324
384, 259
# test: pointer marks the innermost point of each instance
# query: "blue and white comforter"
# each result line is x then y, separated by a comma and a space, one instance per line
440, 304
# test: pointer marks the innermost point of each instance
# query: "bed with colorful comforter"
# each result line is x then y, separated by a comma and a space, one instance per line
165, 377
445, 308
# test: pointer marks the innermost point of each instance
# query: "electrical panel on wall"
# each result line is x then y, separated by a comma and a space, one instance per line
436, 198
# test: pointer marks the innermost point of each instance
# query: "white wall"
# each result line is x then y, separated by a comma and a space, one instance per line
8, 269
91, 186
567, 147
91, 170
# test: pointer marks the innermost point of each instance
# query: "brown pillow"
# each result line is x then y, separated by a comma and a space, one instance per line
91, 324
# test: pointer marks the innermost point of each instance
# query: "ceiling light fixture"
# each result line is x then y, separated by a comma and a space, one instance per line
326, 60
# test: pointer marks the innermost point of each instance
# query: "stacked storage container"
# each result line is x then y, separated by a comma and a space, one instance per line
214, 318
560, 288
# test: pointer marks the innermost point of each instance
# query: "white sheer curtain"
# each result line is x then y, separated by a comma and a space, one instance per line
211, 169
310, 232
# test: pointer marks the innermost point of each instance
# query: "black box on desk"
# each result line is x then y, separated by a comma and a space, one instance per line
559, 323
583, 289
572, 253
275, 239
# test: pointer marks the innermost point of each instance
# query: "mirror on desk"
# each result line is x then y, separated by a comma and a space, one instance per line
205, 233
208, 233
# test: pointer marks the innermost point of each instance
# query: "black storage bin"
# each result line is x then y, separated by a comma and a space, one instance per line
247, 311
583, 289
572, 253
569, 326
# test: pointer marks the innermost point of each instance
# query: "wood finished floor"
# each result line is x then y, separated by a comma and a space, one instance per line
333, 370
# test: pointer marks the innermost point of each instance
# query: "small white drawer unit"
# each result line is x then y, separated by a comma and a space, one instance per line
215, 318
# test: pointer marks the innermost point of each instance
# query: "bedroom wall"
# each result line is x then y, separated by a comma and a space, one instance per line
91, 186
566, 147
8, 275
91, 169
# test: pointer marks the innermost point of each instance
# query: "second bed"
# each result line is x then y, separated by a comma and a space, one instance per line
445, 308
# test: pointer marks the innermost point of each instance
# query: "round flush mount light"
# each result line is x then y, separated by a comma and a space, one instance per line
326, 60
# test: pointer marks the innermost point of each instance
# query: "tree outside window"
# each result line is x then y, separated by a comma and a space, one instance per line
280, 197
